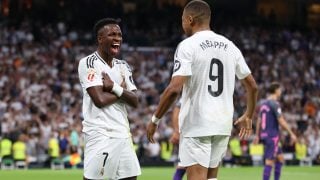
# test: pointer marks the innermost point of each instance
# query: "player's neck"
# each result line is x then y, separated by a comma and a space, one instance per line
273, 97
200, 28
105, 57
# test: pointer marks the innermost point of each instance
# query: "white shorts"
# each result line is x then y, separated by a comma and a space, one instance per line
207, 151
107, 157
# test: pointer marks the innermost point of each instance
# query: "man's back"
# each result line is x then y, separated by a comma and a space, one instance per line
269, 113
211, 61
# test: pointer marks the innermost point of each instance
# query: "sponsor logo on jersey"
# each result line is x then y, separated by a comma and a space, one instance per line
279, 110
91, 74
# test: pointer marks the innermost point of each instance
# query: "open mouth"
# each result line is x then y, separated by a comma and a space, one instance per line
115, 47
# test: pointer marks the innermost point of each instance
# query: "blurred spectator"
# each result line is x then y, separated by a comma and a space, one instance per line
235, 148
53, 147
5, 147
301, 149
313, 139
19, 149
64, 142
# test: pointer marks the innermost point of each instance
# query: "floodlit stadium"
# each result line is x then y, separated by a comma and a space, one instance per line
41, 96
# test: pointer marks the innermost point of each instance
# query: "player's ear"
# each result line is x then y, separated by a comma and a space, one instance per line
190, 19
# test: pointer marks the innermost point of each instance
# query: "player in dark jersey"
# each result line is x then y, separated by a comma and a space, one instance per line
270, 117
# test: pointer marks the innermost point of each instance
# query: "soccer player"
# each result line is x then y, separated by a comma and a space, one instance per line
270, 118
107, 88
205, 66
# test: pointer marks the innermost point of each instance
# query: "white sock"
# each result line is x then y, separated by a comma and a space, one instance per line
213, 179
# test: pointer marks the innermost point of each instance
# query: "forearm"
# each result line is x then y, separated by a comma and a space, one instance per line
123, 94
175, 119
167, 99
252, 95
258, 127
285, 125
251, 102
101, 98
107, 99
130, 98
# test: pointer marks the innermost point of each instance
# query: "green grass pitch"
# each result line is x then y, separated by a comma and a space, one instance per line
245, 173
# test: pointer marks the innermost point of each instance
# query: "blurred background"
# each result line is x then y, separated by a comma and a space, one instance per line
41, 43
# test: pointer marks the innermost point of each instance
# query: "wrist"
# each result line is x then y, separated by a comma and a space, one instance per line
248, 114
117, 90
155, 120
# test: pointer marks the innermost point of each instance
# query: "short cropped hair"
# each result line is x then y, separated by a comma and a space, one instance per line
273, 87
200, 10
101, 23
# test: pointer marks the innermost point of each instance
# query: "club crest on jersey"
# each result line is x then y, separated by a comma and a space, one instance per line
91, 74
177, 65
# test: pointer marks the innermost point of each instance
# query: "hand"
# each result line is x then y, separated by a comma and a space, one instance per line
175, 137
293, 138
107, 82
151, 129
123, 84
245, 124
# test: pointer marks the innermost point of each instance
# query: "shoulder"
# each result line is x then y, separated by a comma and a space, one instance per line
120, 62
274, 104
89, 60
223, 38
261, 102
184, 47
188, 42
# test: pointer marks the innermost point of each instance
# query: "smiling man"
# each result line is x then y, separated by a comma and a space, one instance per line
107, 88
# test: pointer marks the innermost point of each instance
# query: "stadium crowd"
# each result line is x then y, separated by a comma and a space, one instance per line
40, 96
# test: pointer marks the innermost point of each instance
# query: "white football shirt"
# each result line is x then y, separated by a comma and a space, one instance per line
110, 120
211, 61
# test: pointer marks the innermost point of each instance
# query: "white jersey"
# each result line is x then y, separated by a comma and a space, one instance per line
212, 62
110, 120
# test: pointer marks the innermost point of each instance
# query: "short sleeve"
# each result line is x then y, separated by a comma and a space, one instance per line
276, 109
183, 60
242, 69
128, 77
89, 73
